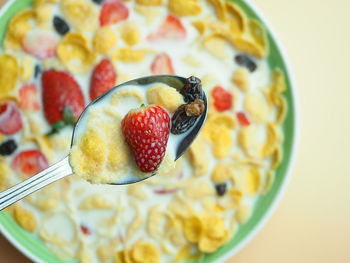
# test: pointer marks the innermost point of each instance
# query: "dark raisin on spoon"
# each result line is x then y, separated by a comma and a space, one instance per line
60, 25
192, 89
221, 189
8, 147
246, 61
97, 1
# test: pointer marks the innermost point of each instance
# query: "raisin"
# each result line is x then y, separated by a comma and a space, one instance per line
8, 147
97, 1
180, 122
60, 25
220, 189
37, 71
246, 61
192, 89
195, 108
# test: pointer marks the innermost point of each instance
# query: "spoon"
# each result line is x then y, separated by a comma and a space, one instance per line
63, 168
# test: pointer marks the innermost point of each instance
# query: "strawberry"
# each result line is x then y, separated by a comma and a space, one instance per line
242, 118
10, 118
103, 78
146, 131
162, 65
28, 97
171, 29
40, 43
112, 12
60, 91
29, 163
222, 98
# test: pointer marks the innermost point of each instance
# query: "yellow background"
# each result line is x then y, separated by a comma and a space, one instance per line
312, 223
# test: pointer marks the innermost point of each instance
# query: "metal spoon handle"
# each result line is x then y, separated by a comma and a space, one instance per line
36, 182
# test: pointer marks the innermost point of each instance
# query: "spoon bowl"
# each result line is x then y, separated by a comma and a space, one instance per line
63, 168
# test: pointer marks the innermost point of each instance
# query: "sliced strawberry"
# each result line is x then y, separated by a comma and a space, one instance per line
112, 12
162, 65
146, 131
103, 78
29, 163
171, 29
242, 118
222, 98
60, 91
40, 43
28, 97
10, 118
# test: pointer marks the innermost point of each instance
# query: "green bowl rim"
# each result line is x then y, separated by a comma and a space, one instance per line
290, 165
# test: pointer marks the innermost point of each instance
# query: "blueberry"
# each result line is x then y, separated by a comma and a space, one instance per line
220, 189
8, 147
60, 25
37, 71
246, 61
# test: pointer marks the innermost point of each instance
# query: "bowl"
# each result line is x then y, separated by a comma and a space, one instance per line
33, 248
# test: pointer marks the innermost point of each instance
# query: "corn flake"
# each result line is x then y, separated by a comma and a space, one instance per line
276, 158
8, 74
193, 228
258, 34
105, 252
222, 144
75, 54
233, 198
26, 68
47, 204
104, 40
247, 46
128, 55
95, 202
241, 79
130, 33
81, 14
216, 45
222, 172
220, 8
165, 96
271, 140
136, 191
144, 252
149, 2
200, 25
188, 252
25, 218
185, 7
148, 12
253, 181
136, 223
198, 156
43, 14
256, 107
202, 190
242, 214
236, 18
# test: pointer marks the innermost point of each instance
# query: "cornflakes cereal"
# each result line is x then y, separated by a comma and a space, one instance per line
271, 140
240, 78
104, 40
8, 74
198, 156
52, 63
258, 34
276, 158
186, 253
47, 204
17, 28
120, 94
216, 45
203, 190
106, 252
247, 46
75, 54
220, 8
222, 172
222, 144
236, 18
149, 13
4, 172
43, 14
145, 252
136, 222
185, 7
95, 202
232, 199
256, 107
137, 191
200, 25
128, 55
193, 229
242, 214
149, 2
81, 14
253, 181
26, 69
214, 122
165, 96
130, 33
191, 60
24, 218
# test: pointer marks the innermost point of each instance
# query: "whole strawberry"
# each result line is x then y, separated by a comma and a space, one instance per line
146, 131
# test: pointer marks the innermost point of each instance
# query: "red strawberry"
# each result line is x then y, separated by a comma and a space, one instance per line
29, 163
61, 91
146, 131
162, 65
242, 118
222, 98
28, 97
103, 78
10, 118
171, 29
40, 43
112, 12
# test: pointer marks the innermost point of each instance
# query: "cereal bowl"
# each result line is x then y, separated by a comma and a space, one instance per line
265, 204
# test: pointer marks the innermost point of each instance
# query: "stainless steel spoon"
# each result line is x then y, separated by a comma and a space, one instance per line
63, 168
